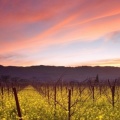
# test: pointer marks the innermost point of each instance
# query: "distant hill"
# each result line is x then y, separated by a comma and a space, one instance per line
53, 73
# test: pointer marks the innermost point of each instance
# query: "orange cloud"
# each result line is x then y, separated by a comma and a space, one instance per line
106, 62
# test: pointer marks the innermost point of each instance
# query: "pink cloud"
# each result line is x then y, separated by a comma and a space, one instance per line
24, 12
70, 20
90, 31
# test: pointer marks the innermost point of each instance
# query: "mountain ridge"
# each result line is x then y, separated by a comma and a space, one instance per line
53, 73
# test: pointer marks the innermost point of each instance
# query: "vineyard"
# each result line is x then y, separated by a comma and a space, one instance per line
87, 100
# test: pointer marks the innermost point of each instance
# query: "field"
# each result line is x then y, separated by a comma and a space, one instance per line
49, 102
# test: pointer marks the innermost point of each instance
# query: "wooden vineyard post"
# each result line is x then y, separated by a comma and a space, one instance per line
100, 88
1, 86
17, 103
2, 93
61, 87
92, 87
113, 95
48, 92
69, 104
55, 101
93, 93
112, 87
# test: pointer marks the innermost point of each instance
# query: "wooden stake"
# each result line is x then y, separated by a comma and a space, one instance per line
69, 104
17, 103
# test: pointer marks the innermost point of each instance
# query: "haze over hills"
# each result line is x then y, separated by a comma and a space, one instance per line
53, 73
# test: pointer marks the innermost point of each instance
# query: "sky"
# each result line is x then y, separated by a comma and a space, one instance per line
60, 32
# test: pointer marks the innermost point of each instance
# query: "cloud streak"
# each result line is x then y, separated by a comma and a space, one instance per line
105, 62
113, 36
30, 25
15, 59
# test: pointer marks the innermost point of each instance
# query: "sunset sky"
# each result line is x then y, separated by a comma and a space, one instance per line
60, 32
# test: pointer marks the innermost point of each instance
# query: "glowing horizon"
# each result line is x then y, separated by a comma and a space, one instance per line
60, 33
